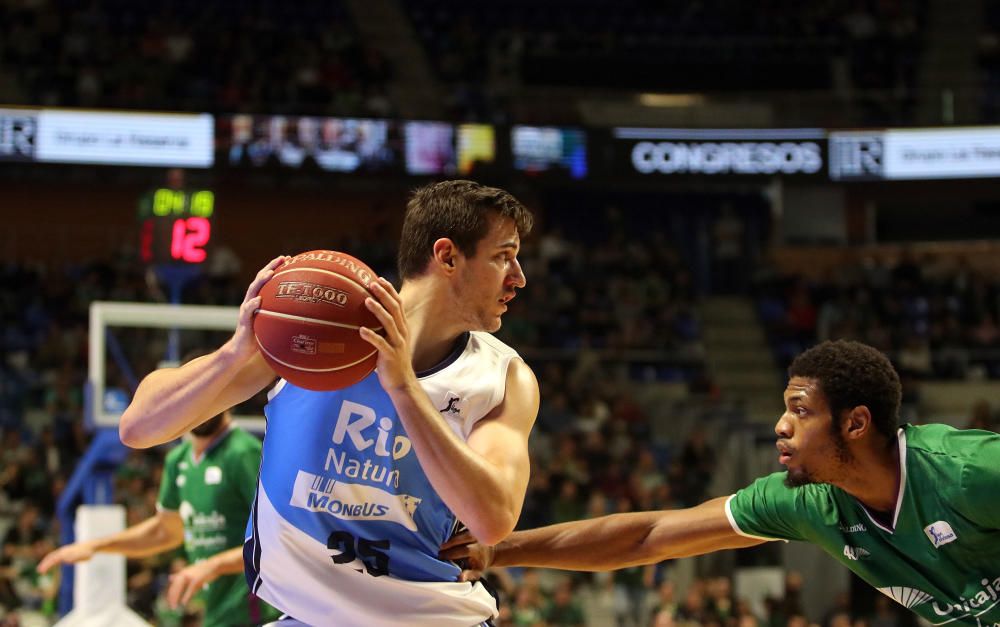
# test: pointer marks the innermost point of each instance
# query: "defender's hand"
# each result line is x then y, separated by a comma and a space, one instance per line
69, 554
186, 583
243, 341
395, 356
473, 556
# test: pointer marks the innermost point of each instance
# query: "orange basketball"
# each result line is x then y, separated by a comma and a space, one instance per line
307, 324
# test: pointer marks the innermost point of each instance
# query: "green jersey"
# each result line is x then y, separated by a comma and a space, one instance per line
939, 555
213, 495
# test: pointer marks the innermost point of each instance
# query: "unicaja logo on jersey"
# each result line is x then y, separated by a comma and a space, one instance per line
907, 597
352, 501
940, 533
975, 606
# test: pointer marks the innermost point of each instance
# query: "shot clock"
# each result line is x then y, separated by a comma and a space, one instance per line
175, 226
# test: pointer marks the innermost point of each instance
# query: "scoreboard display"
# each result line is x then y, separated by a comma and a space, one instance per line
175, 226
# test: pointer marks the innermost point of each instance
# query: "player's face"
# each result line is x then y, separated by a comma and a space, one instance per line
490, 278
808, 445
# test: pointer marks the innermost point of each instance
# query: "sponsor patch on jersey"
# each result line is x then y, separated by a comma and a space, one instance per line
940, 533
352, 501
213, 475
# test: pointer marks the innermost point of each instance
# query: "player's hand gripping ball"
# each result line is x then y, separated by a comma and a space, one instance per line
307, 324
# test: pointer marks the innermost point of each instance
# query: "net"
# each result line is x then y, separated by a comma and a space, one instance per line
130, 340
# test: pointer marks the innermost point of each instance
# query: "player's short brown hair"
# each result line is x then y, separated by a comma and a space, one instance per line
851, 374
458, 210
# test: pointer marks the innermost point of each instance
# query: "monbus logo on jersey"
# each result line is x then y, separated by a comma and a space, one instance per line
352, 501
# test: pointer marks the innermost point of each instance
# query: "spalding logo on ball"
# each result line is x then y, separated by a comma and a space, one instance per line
308, 321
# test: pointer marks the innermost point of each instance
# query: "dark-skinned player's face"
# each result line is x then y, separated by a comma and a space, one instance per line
490, 278
809, 445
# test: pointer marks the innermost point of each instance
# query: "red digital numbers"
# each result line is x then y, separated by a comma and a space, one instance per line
146, 240
190, 235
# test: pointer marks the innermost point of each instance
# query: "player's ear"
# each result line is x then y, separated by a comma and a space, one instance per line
445, 253
857, 422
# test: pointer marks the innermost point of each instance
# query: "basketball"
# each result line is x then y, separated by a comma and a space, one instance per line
308, 321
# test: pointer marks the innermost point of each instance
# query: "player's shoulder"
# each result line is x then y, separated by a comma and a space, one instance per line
960, 464
944, 443
817, 498
775, 484
240, 440
483, 341
178, 453
771, 509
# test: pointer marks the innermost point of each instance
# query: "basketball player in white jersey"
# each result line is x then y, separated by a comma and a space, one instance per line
359, 487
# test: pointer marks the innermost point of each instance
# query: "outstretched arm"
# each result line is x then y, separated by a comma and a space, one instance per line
610, 542
162, 532
171, 401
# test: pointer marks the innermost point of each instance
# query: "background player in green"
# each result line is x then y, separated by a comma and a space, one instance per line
205, 497
914, 510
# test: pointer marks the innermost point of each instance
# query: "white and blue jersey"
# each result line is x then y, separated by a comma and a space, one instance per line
346, 527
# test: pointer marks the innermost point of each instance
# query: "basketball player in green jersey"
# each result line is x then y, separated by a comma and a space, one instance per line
914, 510
206, 493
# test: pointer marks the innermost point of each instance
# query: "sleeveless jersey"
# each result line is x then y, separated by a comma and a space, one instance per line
346, 526
941, 555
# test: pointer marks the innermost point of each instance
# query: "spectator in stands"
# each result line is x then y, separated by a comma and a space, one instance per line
721, 604
322, 69
730, 261
567, 505
697, 460
693, 607
839, 615
886, 615
665, 608
630, 587
23, 546
981, 416
563, 610
528, 609
914, 357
